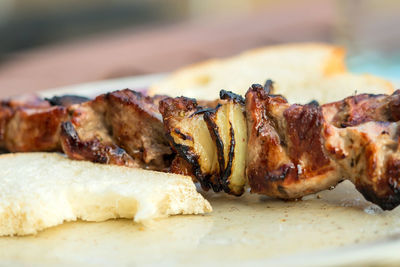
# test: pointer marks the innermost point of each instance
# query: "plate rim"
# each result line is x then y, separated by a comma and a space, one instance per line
377, 251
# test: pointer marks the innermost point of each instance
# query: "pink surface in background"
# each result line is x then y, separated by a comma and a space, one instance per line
153, 50
163, 49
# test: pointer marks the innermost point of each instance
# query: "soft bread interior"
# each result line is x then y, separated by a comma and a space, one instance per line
40, 190
301, 72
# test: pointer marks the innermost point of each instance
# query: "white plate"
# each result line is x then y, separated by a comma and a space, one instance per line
334, 228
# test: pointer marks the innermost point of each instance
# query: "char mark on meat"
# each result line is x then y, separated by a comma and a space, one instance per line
136, 126
286, 158
189, 136
121, 127
92, 150
125, 120
66, 100
211, 141
294, 150
280, 150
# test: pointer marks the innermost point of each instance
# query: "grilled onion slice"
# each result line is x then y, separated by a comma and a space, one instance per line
189, 136
227, 125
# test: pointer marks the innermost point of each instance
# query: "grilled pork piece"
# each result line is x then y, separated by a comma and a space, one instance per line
28, 123
122, 127
86, 136
364, 141
286, 155
136, 126
94, 149
294, 150
180, 166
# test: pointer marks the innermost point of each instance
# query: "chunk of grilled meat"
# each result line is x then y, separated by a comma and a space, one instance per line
227, 125
189, 136
28, 123
137, 126
86, 136
124, 125
286, 157
32, 129
181, 166
364, 139
92, 149
121, 127
362, 108
294, 150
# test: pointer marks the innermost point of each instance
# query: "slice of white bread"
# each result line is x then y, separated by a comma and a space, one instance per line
301, 72
336, 87
40, 190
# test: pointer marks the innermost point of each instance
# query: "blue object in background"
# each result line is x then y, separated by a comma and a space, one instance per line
383, 65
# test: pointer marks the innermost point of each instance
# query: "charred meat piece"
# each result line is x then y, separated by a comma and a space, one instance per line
28, 123
121, 127
364, 139
93, 149
362, 108
122, 121
9, 106
227, 125
136, 126
89, 122
286, 155
181, 166
86, 136
369, 156
294, 150
189, 136
32, 129
6, 113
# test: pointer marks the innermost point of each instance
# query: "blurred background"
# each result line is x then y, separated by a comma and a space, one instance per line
46, 43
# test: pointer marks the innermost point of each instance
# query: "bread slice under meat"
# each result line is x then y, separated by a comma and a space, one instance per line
301, 72
40, 190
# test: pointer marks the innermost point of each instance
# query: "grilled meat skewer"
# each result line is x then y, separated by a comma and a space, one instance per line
280, 150
123, 127
296, 150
